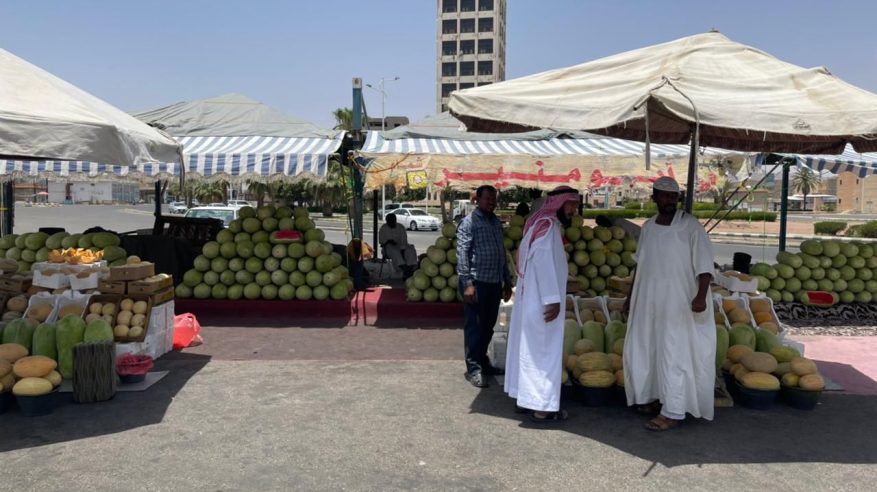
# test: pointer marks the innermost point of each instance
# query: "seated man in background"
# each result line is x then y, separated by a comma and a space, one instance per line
394, 240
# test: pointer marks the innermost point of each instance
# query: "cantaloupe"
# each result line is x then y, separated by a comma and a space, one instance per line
770, 326
759, 305
729, 305
12, 351
5, 367
34, 366
802, 366
32, 387
736, 352
571, 361
784, 353
597, 379
763, 317
759, 362
619, 377
740, 372
760, 381
782, 369
583, 346
7, 382
811, 382
790, 379
739, 315
594, 361
617, 361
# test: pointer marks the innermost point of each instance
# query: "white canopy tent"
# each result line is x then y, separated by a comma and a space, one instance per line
44, 117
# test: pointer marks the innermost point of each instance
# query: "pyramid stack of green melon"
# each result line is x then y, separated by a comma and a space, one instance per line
593, 351
436, 278
847, 270
257, 257
34, 247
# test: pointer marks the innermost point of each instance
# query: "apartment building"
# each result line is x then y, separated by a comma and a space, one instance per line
470, 45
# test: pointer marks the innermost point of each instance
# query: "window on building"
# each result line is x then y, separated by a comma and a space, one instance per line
857, 180
467, 47
467, 85
449, 69
467, 25
449, 5
485, 25
449, 48
467, 68
467, 5
485, 46
449, 26
484, 83
485, 5
447, 89
444, 107
840, 181
485, 68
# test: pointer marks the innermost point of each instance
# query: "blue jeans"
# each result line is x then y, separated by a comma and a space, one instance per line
480, 318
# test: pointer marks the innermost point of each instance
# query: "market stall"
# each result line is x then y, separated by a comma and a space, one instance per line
52, 330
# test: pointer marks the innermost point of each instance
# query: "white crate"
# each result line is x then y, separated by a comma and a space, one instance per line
159, 336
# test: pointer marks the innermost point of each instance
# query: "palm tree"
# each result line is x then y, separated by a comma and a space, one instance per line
343, 119
805, 182
331, 191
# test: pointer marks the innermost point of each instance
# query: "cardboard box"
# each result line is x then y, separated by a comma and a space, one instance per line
51, 278
107, 287
150, 285
162, 296
148, 314
84, 280
103, 299
132, 272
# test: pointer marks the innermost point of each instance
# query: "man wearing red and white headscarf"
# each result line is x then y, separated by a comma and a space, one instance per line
535, 345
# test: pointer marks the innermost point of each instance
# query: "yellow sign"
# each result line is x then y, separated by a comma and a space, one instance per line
416, 180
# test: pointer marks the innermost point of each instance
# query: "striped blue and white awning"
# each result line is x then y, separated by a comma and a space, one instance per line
205, 157
375, 143
850, 161
263, 157
86, 170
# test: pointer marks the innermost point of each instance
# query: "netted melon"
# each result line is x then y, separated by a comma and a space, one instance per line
760, 381
759, 362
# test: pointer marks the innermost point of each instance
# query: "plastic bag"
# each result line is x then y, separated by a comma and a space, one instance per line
187, 331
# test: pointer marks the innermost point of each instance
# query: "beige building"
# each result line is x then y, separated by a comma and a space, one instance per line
470, 46
855, 194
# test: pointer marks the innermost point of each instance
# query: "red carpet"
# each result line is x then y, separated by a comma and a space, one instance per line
380, 307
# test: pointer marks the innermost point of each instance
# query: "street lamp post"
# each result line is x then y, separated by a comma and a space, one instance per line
380, 89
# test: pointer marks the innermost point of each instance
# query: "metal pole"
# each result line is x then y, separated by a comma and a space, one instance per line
784, 204
692, 173
357, 175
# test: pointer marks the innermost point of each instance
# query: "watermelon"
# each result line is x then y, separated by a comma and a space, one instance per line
284, 237
765, 341
742, 334
593, 331
723, 341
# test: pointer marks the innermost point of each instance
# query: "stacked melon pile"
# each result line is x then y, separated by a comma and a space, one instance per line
33, 247
846, 270
758, 360
592, 351
260, 256
436, 279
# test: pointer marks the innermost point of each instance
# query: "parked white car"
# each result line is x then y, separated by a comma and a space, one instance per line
238, 203
226, 214
416, 219
177, 208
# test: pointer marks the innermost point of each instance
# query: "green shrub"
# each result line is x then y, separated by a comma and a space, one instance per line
829, 227
736, 215
700, 214
706, 206
868, 229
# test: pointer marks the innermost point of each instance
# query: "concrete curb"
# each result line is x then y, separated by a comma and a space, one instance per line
802, 237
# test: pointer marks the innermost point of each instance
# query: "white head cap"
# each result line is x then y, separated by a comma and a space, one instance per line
666, 183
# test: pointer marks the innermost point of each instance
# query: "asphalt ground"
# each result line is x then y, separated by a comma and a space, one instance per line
370, 409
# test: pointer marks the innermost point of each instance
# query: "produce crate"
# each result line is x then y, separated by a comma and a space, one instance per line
147, 319
150, 285
773, 315
107, 287
162, 296
51, 278
132, 272
738, 303
84, 280
597, 304
16, 283
42, 298
731, 280
78, 300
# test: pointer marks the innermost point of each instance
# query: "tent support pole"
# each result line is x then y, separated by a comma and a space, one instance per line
784, 205
692, 172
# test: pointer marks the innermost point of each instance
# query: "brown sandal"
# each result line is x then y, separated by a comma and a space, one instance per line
662, 423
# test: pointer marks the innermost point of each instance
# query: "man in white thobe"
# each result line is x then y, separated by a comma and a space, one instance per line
394, 240
535, 345
669, 350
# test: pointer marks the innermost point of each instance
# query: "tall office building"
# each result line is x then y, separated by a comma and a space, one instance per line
470, 45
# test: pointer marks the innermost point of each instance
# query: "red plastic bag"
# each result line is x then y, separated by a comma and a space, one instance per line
187, 331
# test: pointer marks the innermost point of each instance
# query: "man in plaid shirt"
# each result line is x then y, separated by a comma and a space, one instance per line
484, 280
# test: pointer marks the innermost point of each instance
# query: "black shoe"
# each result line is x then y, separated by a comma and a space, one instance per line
476, 379
492, 370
